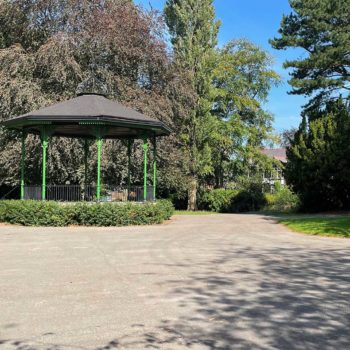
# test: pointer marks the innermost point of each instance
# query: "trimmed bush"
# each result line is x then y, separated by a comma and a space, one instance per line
250, 198
283, 200
217, 200
37, 213
232, 201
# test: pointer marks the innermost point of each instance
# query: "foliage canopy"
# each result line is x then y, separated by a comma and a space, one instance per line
319, 164
212, 97
322, 29
319, 153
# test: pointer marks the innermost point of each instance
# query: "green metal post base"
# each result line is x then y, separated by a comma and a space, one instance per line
86, 166
23, 155
99, 132
98, 184
154, 168
45, 132
130, 142
145, 159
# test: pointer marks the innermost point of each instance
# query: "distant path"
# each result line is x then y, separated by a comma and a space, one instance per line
199, 282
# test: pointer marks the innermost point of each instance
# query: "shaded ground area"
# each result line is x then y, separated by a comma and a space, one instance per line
199, 282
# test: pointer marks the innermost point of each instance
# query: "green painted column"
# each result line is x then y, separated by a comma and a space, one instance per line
99, 147
154, 168
23, 155
86, 158
145, 159
44, 144
129, 165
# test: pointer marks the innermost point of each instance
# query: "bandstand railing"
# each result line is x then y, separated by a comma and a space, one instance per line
77, 193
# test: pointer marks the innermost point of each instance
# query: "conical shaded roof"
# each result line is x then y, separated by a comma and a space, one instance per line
79, 116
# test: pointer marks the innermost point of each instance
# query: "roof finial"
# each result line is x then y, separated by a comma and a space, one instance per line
92, 85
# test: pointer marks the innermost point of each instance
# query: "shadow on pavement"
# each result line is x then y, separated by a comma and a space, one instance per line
273, 299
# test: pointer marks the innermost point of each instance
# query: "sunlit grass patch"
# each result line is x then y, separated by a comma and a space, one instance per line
322, 226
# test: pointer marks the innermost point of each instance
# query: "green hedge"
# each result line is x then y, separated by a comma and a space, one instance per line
283, 200
37, 213
217, 200
232, 201
251, 198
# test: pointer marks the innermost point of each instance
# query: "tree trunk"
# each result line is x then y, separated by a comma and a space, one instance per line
192, 195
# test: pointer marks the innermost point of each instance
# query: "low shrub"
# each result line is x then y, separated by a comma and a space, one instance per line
180, 201
247, 200
250, 198
37, 213
217, 200
251, 195
283, 200
232, 201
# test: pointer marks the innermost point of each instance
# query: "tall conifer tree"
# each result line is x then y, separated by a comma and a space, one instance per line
319, 153
194, 31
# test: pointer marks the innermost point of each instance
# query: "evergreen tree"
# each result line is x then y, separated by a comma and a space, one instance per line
319, 154
318, 167
194, 31
322, 29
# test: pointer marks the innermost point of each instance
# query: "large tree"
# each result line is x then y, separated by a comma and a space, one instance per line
318, 154
319, 163
194, 31
243, 77
49, 47
322, 29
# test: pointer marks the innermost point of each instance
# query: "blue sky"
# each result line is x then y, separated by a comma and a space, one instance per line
258, 21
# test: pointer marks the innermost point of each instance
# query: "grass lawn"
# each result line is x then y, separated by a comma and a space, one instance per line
322, 226
199, 212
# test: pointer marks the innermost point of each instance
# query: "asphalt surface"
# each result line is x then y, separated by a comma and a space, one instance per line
198, 282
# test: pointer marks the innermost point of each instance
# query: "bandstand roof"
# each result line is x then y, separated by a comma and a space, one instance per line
80, 116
